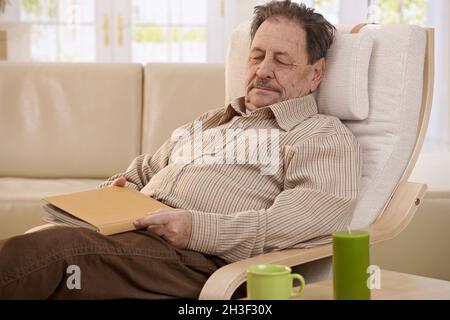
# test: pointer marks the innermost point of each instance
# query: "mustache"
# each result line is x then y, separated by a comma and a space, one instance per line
263, 84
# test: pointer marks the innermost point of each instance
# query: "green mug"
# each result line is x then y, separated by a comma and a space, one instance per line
272, 282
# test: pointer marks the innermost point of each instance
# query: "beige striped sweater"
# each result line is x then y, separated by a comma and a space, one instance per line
241, 207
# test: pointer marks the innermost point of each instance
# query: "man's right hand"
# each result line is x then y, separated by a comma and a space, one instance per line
120, 182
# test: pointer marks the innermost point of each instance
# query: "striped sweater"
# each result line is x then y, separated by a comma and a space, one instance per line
282, 176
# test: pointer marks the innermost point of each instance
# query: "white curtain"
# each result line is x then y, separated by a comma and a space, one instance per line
438, 135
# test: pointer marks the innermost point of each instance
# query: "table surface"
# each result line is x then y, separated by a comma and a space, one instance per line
394, 286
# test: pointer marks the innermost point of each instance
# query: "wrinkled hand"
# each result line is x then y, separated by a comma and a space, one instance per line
174, 225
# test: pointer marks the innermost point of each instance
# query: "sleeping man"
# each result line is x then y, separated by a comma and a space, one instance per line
268, 173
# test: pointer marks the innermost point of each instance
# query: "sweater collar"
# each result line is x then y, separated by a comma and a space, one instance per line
288, 113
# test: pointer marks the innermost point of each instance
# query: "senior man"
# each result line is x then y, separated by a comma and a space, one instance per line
223, 211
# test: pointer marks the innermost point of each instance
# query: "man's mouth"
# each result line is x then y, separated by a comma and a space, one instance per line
265, 89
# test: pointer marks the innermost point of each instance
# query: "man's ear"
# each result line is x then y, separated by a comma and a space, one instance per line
318, 71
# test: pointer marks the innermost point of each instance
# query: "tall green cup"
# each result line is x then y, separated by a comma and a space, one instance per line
272, 282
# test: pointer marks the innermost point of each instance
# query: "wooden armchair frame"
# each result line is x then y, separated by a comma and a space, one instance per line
394, 218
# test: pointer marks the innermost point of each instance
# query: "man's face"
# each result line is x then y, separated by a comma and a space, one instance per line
277, 67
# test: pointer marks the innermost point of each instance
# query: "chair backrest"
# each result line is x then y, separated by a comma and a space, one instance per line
399, 102
62, 120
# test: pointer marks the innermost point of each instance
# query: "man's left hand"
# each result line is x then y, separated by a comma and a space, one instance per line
174, 225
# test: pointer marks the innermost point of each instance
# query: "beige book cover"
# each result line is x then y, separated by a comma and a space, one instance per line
108, 210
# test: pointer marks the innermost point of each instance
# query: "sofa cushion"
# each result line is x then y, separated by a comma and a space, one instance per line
62, 120
175, 94
20, 200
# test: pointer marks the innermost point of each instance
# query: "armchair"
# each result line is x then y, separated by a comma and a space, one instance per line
400, 84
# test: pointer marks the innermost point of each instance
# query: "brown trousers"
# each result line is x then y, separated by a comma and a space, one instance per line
137, 265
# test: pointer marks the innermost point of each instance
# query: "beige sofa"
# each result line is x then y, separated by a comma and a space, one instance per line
67, 127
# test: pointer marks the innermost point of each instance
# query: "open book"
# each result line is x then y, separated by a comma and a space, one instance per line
108, 210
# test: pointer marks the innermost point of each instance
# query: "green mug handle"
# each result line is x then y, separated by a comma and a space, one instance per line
294, 276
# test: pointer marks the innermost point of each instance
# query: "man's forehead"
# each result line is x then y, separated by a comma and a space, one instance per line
280, 35
275, 41
278, 52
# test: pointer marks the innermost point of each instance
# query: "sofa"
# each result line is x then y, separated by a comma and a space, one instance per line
67, 127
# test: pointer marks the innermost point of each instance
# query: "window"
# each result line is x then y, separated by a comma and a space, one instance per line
61, 30
397, 11
329, 8
169, 31
110, 30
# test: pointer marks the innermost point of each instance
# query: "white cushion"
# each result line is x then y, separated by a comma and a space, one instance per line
389, 134
344, 90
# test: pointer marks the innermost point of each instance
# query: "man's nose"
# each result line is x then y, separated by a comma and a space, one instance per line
265, 69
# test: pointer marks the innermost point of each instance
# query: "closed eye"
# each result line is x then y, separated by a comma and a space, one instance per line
256, 60
284, 63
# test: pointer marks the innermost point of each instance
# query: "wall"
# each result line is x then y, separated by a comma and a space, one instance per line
423, 247
438, 135
3, 52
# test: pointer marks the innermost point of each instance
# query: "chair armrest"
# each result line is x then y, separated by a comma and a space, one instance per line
222, 283
393, 220
398, 212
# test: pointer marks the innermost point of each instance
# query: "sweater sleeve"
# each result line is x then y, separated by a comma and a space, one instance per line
145, 166
142, 168
320, 189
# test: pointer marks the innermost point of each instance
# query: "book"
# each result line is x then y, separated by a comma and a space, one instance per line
107, 210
